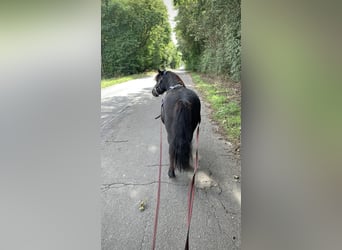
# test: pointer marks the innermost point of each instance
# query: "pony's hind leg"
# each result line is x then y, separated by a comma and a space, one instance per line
171, 172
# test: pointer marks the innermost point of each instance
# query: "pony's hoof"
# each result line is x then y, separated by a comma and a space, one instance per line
171, 173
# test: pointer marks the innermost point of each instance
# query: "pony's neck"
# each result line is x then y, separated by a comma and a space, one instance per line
174, 81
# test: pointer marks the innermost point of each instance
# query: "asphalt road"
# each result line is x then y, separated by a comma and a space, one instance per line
130, 139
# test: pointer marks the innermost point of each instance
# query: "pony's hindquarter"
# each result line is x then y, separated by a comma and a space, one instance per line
181, 145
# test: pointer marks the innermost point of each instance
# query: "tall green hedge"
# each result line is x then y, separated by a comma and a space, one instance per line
209, 36
135, 37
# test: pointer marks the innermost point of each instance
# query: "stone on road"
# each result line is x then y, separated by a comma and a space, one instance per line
130, 138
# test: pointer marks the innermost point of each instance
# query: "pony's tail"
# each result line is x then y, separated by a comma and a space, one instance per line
181, 146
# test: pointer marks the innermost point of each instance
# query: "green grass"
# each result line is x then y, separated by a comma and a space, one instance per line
116, 80
226, 110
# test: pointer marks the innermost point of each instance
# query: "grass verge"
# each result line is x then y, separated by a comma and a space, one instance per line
224, 98
116, 80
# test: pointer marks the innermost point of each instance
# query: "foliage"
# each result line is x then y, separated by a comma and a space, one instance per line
226, 107
135, 37
208, 33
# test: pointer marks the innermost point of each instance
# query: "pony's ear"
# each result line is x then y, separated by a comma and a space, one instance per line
159, 71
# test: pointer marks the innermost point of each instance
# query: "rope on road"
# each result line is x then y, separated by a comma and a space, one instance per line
191, 194
158, 193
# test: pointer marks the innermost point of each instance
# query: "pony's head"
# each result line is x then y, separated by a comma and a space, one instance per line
166, 80
161, 85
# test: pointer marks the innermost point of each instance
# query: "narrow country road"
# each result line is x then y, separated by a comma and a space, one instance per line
130, 156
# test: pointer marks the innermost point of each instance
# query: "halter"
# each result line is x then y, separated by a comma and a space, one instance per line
176, 86
162, 74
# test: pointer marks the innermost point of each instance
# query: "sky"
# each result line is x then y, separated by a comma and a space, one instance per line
172, 13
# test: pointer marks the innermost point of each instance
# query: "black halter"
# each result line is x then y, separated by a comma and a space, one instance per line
176, 86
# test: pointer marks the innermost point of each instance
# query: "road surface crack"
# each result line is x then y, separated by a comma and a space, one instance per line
147, 225
225, 209
214, 210
108, 186
156, 165
116, 141
124, 109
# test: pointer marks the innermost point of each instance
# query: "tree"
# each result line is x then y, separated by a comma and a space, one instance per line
209, 35
135, 36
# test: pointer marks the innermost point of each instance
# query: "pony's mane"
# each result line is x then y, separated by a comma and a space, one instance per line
176, 78
172, 77
180, 81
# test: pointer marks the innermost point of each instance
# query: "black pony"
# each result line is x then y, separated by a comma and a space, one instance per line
180, 113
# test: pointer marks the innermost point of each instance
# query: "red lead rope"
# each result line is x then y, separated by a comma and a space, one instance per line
191, 194
158, 194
